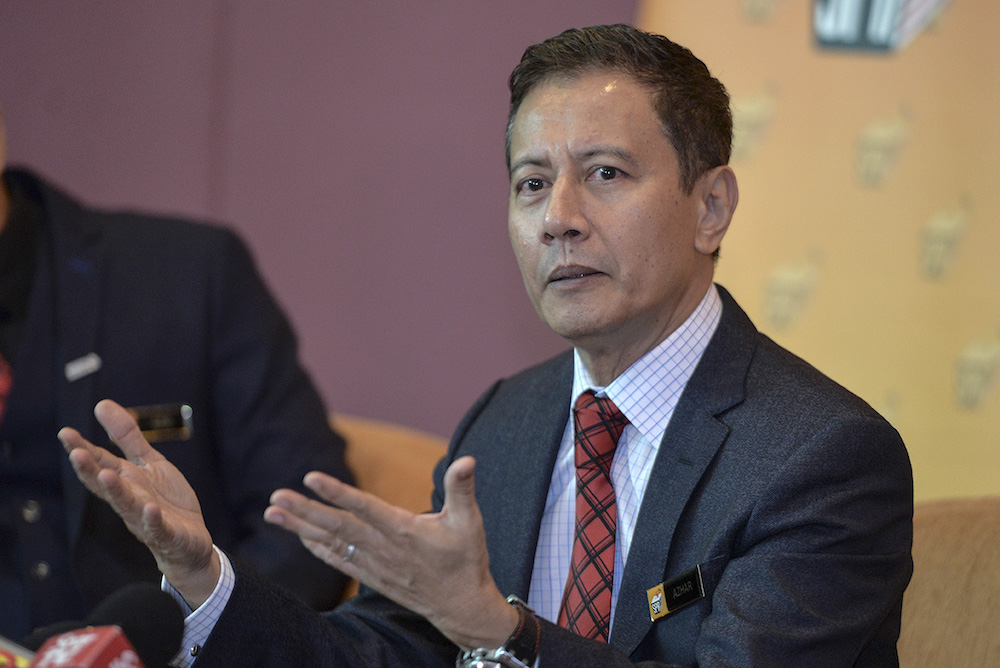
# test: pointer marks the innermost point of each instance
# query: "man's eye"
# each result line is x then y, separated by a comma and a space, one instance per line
532, 185
607, 173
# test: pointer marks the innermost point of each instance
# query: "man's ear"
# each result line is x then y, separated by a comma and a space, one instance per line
717, 194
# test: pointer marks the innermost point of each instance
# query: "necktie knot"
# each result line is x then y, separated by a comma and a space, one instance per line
599, 425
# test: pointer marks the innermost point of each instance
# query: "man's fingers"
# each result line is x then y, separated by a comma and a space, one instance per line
86, 460
372, 510
106, 484
335, 558
86, 468
144, 518
154, 524
460, 489
88, 455
100, 471
311, 519
329, 546
124, 502
460, 498
71, 439
123, 430
291, 522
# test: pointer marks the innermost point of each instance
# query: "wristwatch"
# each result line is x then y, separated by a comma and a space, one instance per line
519, 651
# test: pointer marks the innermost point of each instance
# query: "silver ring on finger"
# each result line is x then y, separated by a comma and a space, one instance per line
351, 549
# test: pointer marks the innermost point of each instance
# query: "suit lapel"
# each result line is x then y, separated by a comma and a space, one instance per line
689, 444
75, 252
518, 483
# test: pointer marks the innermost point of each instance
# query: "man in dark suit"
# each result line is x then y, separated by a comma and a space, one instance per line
678, 489
152, 312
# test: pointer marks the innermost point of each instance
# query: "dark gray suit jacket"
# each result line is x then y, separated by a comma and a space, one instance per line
792, 494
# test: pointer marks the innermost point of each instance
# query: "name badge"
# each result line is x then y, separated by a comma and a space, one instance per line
670, 596
82, 367
164, 422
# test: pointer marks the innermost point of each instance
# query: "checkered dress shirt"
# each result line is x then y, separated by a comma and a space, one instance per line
646, 393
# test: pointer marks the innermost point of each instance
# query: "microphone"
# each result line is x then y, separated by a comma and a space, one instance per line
147, 620
149, 617
34, 640
90, 647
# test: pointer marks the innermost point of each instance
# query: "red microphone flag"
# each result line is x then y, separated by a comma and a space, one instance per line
91, 647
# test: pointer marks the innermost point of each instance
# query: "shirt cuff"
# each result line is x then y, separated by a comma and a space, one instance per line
198, 624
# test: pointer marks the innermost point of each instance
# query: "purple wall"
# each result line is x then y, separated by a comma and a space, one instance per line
357, 146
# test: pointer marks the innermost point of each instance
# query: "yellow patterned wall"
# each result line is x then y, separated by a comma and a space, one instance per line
867, 238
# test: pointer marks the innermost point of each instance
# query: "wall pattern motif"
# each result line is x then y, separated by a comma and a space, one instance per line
866, 233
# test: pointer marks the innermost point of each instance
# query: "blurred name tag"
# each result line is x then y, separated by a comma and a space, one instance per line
163, 422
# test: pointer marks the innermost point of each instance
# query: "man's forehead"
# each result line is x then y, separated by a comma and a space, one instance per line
595, 79
587, 96
605, 113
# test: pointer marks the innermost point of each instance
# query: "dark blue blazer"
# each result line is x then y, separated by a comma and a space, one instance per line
792, 495
176, 312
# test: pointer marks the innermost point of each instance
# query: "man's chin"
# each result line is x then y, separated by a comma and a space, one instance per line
577, 329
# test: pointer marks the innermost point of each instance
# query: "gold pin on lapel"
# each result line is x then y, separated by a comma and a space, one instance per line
164, 422
657, 608
672, 595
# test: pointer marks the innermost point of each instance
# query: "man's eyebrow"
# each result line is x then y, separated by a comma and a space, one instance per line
613, 151
618, 152
528, 161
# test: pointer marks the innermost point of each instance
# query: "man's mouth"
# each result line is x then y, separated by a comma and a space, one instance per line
570, 273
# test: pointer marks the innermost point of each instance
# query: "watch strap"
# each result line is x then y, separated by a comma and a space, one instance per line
520, 650
524, 641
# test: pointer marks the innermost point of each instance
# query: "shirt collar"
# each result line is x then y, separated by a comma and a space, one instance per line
647, 392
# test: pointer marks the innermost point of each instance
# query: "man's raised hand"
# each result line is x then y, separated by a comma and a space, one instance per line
152, 497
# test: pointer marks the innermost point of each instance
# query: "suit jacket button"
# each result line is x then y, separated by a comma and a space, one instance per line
31, 511
41, 570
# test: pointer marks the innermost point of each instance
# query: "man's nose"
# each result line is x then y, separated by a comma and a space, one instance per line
564, 213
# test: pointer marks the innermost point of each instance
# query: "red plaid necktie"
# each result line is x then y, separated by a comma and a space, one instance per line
6, 383
586, 605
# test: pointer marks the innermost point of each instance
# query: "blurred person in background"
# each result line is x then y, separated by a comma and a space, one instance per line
167, 317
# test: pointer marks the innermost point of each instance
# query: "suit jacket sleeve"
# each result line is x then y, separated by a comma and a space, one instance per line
264, 626
268, 421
